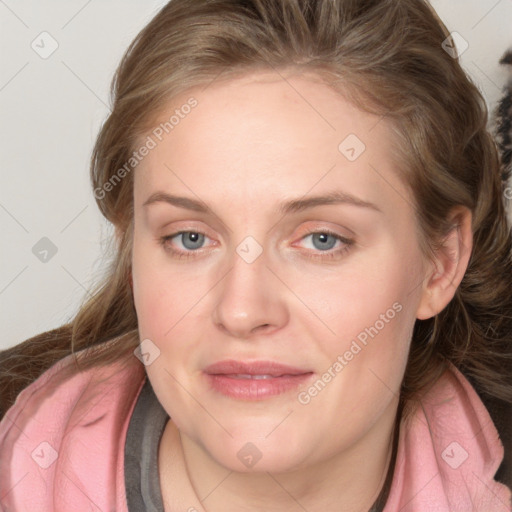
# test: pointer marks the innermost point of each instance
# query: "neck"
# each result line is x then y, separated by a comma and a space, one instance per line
350, 481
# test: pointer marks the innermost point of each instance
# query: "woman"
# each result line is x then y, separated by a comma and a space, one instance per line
231, 360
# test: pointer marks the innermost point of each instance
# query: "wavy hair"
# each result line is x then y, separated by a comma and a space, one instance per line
387, 57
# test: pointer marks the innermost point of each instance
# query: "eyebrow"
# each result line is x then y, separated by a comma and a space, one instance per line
288, 207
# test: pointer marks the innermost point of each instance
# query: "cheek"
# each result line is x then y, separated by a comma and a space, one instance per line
371, 298
164, 295
371, 314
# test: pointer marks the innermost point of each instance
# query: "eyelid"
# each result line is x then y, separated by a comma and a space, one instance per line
184, 231
308, 231
341, 238
326, 230
312, 254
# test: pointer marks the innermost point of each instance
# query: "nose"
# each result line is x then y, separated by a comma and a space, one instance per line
251, 301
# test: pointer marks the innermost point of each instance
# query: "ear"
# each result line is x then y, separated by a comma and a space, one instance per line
449, 266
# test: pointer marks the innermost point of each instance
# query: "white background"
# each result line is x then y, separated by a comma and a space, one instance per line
51, 111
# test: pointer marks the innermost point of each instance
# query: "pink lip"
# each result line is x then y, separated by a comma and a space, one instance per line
227, 377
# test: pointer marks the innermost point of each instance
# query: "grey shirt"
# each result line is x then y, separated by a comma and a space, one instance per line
142, 481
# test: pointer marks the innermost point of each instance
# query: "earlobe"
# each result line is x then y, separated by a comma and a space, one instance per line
449, 266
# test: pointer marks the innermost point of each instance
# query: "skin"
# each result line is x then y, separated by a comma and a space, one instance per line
250, 144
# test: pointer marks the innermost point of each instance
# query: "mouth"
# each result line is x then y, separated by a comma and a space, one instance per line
256, 380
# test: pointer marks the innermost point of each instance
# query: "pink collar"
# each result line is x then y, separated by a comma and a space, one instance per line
62, 445
448, 454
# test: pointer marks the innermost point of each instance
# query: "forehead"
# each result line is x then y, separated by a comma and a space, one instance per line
265, 136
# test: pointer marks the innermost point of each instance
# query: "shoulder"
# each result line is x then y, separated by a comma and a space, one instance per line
63, 439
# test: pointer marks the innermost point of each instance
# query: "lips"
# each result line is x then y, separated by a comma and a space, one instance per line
253, 369
255, 380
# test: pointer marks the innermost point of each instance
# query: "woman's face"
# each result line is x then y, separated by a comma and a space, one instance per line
278, 324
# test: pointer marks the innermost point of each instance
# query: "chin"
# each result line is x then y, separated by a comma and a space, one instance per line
257, 454
250, 459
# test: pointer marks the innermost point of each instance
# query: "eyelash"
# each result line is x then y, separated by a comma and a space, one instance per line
324, 255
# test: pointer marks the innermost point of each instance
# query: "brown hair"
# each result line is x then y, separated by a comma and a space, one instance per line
387, 57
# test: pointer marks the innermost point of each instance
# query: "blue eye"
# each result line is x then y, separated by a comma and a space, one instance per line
323, 243
190, 240
321, 239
